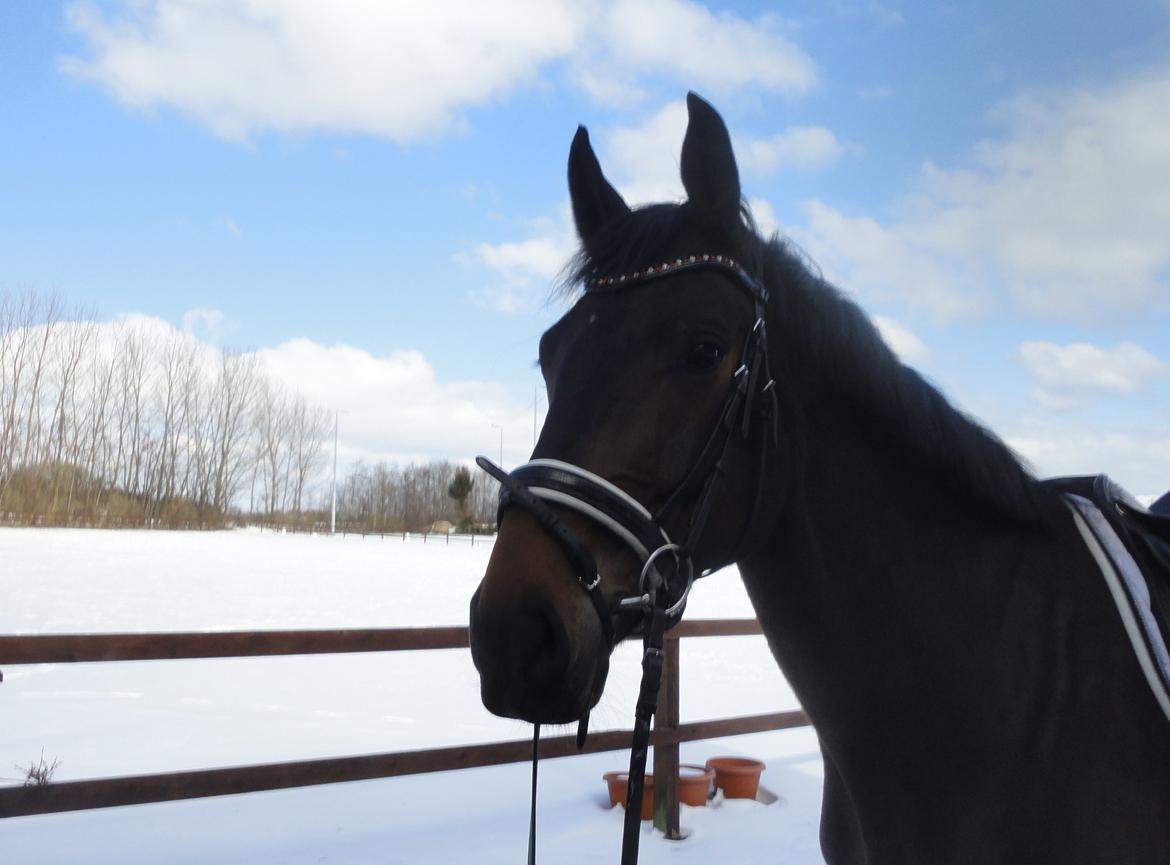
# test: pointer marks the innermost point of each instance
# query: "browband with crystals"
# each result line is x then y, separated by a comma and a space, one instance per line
667, 268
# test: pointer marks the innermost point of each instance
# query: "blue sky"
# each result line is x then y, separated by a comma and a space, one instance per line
372, 195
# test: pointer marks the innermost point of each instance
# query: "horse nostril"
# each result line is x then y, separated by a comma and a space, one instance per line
540, 645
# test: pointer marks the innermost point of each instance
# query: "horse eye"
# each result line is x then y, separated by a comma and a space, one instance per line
704, 356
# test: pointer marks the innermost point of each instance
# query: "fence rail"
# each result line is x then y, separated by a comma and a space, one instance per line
345, 529
13, 520
140, 789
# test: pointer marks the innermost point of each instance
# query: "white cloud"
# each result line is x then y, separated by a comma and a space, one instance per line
795, 147
525, 270
905, 342
540, 257
882, 263
1069, 211
399, 70
397, 408
720, 48
403, 70
212, 324
1138, 459
643, 160
1067, 375
712, 52
765, 217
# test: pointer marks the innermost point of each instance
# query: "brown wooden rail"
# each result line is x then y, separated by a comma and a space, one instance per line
73, 648
139, 789
66, 648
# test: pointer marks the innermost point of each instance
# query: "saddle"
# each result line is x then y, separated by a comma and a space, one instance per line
1132, 546
1145, 532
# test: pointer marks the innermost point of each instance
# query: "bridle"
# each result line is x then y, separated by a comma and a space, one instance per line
667, 567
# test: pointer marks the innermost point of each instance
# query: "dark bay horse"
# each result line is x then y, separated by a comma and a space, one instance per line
933, 606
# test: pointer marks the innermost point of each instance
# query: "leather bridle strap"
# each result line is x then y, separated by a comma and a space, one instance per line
652, 659
662, 604
594, 497
532, 810
584, 566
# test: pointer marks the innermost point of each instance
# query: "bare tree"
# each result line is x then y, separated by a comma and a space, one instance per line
96, 456
310, 431
235, 388
65, 434
274, 423
127, 422
45, 316
17, 313
383, 497
132, 360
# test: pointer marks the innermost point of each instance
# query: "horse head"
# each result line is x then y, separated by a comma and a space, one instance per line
657, 381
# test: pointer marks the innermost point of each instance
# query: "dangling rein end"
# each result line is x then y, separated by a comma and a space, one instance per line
532, 812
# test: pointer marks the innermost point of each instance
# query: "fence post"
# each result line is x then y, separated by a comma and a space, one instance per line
666, 756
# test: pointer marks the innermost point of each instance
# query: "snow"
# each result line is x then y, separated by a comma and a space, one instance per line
111, 719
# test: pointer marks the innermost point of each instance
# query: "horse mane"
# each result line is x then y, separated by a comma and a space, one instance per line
840, 347
836, 346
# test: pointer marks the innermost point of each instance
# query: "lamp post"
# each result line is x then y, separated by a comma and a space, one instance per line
501, 429
333, 513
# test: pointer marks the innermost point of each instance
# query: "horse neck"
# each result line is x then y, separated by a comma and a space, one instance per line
881, 567
965, 671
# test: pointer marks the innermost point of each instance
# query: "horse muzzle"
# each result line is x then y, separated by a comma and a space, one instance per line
541, 657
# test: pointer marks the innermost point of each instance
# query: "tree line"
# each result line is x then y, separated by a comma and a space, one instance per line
118, 423
383, 497
130, 423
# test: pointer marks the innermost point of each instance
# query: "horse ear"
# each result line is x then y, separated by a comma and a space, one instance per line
595, 202
708, 169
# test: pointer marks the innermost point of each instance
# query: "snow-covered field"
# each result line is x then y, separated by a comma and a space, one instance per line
108, 719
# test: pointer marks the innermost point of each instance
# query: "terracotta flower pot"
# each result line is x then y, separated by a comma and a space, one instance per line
737, 777
694, 783
619, 786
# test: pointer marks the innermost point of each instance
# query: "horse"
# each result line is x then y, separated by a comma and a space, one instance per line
933, 605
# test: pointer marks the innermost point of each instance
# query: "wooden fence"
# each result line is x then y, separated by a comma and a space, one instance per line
13, 520
138, 789
470, 538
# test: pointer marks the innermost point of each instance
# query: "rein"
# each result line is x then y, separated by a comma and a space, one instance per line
667, 567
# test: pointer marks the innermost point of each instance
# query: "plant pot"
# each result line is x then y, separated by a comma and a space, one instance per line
694, 783
737, 777
619, 786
